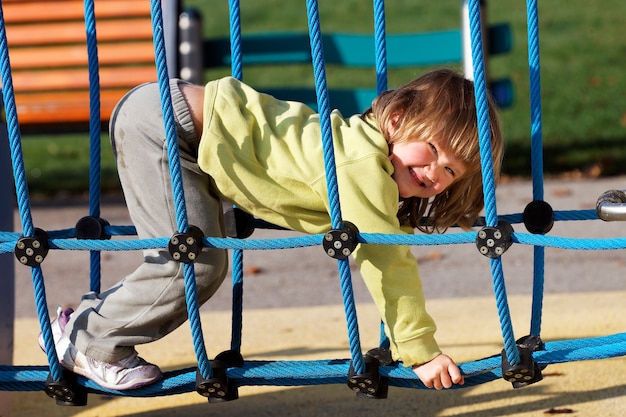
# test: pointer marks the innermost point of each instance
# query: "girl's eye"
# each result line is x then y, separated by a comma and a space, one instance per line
433, 148
450, 171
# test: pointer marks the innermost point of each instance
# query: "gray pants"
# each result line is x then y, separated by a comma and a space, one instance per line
150, 302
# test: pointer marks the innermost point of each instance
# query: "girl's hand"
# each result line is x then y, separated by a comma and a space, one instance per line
439, 373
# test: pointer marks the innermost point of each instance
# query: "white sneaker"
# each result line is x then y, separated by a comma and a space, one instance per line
57, 325
129, 373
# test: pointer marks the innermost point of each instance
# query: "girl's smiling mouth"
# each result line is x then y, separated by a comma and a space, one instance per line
417, 178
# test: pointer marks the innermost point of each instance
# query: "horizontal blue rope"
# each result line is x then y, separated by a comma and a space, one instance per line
332, 371
117, 230
570, 243
314, 240
565, 215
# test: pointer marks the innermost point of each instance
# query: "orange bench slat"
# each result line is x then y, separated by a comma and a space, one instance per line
73, 55
74, 32
78, 79
70, 107
46, 11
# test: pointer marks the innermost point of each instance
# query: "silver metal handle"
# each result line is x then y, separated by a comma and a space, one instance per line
611, 206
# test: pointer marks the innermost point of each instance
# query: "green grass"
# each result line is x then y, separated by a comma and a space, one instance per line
583, 55
60, 164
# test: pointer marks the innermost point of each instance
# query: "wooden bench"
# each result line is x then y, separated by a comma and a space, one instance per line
48, 55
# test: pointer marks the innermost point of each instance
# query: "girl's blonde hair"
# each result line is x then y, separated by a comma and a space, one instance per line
440, 106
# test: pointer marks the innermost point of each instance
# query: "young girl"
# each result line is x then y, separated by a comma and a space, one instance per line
413, 155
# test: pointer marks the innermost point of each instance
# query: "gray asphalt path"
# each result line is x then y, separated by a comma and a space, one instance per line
306, 276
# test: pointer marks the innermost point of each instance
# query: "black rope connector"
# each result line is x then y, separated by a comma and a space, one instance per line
340, 243
527, 371
494, 241
67, 391
32, 250
220, 388
538, 217
91, 227
369, 384
185, 247
238, 223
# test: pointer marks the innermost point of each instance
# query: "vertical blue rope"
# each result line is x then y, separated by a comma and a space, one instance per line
237, 267
177, 185
235, 40
15, 144
94, 135
321, 89
538, 287
536, 155
237, 308
23, 200
317, 52
94, 108
380, 42
380, 48
491, 216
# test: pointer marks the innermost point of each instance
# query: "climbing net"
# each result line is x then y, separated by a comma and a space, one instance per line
521, 360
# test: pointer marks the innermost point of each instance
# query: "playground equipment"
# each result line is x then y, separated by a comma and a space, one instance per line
522, 359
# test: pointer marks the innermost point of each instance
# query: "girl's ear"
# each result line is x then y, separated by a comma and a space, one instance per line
392, 126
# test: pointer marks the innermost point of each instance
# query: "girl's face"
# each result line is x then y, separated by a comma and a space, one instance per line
424, 168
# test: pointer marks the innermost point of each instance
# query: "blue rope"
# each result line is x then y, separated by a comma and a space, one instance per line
15, 144
319, 372
323, 103
177, 185
237, 307
65, 241
23, 200
321, 88
484, 134
94, 135
237, 258
235, 40
380, 43
536, 157
94, 109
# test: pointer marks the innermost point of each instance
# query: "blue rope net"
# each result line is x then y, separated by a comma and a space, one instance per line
297, 373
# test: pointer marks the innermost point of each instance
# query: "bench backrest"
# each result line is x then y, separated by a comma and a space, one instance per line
356, 50
48, 55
